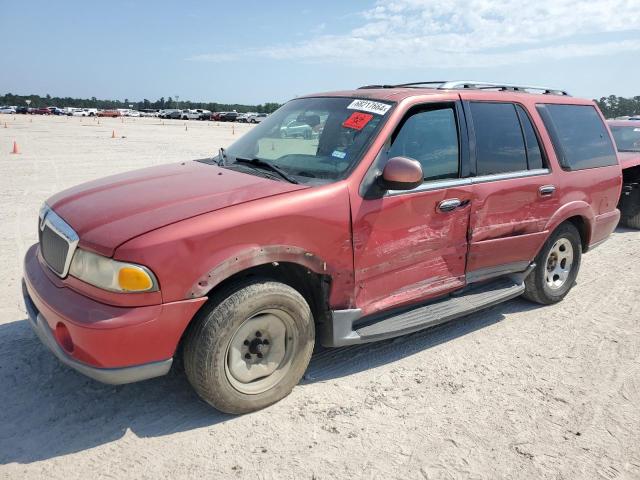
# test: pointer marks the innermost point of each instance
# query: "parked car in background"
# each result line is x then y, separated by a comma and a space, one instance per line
170, 113
414, 207
217, 115
132, 113
7, 109
204, 114
78, 112
149, 112
41, 111
57, 111
174, 114
296, 129
257, 117
626, 134
188, 114
229, 117
244, 117
22, 110
109, 113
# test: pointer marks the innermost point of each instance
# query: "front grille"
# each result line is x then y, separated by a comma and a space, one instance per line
54, 249
58, 241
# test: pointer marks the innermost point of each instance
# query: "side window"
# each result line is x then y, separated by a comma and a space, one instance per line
500, 146
534, 154
579, 136
431, 137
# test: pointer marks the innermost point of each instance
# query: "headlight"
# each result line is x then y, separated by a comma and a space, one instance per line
112, 275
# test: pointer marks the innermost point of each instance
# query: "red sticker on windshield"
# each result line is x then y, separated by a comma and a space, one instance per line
357, 120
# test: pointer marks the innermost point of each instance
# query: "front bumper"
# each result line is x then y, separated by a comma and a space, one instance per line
105, 375
112, 344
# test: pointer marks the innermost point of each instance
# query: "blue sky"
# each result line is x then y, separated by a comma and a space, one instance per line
258, 51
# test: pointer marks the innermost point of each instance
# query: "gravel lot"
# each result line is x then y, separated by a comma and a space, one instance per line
518, 391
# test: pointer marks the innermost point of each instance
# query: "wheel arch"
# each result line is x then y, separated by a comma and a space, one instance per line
580, 214
313, 286
294, 266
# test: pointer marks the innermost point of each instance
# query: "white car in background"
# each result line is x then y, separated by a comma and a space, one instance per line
149, 112
191, 114
244, 117
82, 112
7, 109
257, 118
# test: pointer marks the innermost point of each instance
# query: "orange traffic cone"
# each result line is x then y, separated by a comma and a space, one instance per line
15, 148
113, 134
233, 129
185, 127
5, 125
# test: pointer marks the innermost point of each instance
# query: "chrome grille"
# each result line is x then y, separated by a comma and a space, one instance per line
58, 242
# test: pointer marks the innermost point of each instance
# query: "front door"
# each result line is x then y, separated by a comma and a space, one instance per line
411, 246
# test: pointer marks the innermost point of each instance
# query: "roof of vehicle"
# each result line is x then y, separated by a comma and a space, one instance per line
400, 92
624, 123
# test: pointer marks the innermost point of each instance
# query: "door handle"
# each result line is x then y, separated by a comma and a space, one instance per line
547, 190
449, 204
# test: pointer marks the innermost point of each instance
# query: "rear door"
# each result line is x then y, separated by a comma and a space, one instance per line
514, 195
412, 245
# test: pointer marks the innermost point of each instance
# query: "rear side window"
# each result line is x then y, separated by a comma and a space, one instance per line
579, 136
500, 146
534, 154
431, 138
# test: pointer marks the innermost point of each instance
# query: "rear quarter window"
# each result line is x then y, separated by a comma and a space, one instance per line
579, 136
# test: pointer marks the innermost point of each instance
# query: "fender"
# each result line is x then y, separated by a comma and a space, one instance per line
254, 257
577, 208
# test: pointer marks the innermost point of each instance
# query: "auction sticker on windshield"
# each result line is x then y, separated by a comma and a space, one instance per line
369, 106
357, 120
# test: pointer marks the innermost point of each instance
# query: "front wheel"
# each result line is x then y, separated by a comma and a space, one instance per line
250, 346
557, 266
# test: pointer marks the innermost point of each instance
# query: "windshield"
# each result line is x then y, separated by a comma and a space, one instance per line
312, 140
627, 138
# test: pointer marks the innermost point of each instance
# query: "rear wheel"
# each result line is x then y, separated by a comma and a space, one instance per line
249, 348
557, 266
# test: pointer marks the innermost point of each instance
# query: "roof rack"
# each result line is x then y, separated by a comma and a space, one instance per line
476, 85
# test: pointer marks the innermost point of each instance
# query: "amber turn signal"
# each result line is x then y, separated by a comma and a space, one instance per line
134, 279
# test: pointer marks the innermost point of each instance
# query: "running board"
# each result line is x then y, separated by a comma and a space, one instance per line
347, 328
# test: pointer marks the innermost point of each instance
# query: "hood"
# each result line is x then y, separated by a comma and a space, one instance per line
629, 159
106, 213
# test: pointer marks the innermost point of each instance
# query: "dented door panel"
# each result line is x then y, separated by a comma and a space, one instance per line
508, 220
406, 250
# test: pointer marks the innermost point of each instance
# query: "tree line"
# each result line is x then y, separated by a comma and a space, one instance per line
162, 103
613, 106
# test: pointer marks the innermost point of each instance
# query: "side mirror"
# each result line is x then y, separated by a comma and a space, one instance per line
401, 173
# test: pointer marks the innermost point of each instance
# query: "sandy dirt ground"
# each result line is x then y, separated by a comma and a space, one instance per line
518, 391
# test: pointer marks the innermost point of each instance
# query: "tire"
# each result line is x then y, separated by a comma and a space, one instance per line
552, 279
223, 348
633, 221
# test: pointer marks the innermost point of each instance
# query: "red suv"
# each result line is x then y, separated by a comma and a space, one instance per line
408, 206
626, 134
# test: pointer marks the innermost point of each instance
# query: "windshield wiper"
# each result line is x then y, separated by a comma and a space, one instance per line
256, 162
